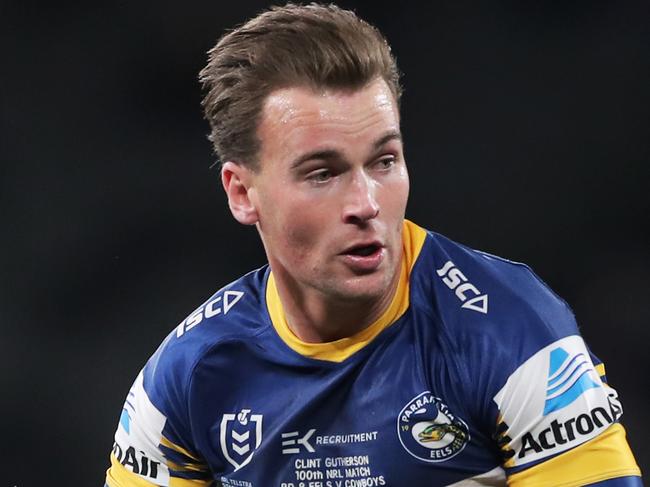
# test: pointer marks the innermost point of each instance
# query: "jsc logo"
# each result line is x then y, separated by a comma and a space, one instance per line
429, 431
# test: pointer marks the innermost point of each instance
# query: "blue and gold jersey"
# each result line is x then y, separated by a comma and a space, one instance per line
474, 375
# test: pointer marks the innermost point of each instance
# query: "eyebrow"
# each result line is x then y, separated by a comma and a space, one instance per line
333, 153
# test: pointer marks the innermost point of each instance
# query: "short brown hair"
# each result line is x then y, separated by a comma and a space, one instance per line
317, 46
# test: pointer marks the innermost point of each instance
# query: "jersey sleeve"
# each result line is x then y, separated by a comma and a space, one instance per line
153, 442
557, 419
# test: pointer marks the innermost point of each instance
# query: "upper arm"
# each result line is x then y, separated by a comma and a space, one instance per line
147, 450
559, 420
604, 460
554, 417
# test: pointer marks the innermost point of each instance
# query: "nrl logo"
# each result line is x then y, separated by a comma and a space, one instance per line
240, 436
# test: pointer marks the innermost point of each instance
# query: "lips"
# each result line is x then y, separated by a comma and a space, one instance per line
364, 257
363, 247
363, 250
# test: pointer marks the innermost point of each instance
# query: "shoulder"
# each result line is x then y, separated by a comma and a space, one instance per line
494, 315
235, 313
155, 438
527, 372
478, 295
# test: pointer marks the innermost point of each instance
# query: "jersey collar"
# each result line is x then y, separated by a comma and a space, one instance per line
412, 241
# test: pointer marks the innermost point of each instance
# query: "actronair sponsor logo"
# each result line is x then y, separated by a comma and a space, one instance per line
137, 461
561, 433
138, 432
127, 410
568, 378
552, 402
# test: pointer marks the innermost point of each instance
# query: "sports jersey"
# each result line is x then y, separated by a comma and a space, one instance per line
475, 374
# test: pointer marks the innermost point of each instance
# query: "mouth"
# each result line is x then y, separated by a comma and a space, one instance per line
363, 250
364, 257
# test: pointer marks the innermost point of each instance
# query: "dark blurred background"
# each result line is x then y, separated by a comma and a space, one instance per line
527, 131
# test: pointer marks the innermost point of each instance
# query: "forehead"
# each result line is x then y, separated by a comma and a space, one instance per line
296, 116
287, 104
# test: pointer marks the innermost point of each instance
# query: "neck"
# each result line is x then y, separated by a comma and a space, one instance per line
316, 318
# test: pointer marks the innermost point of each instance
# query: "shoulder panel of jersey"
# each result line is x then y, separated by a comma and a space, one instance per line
493, 313
529, 375
154, 438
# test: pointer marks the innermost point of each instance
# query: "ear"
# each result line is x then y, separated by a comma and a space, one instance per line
236, 180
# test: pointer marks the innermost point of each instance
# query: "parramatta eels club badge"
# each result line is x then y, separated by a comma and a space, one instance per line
240, 436
429, 431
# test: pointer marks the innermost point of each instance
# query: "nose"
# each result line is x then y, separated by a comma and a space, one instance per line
360, 204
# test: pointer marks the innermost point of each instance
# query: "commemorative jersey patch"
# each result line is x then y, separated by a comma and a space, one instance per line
429, 431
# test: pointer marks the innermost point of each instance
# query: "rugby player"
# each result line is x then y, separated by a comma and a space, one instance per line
369, 351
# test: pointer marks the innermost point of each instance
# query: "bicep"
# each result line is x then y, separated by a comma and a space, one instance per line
604, 460
146, 451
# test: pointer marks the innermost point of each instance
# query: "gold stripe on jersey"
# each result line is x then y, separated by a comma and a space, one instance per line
600, 368
605, 457
186, 467
412, 241
119, 476
173, 446
178, 482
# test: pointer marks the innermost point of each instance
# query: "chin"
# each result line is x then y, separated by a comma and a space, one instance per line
362, 288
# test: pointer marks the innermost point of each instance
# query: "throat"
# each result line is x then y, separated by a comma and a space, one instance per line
313, 318
333, 330
332, 323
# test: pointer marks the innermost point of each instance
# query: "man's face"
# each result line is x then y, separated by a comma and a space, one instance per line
331, 189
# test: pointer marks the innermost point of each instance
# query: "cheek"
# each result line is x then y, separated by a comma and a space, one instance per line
300, 230
396, 194
297, 225
404, 182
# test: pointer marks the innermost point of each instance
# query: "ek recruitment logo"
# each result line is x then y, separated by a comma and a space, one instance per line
292, 441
